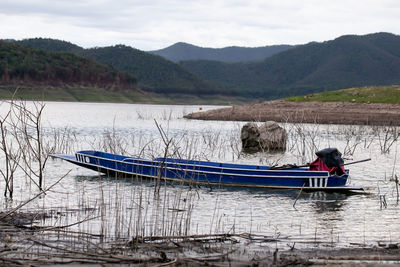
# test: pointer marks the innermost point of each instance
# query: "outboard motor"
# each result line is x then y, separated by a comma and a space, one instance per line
329, 159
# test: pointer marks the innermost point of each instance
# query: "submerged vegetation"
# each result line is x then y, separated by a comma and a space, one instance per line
137, 221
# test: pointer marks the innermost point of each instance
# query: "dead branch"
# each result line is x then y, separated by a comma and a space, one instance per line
35, 197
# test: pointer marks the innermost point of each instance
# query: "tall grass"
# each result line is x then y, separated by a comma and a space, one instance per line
372, 94
108, 212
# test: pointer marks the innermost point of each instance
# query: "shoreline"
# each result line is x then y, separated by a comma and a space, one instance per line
102, 95
307, 112
241, 249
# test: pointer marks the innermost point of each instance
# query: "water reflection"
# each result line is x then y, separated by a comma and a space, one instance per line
269, 211
321, 200
324, 202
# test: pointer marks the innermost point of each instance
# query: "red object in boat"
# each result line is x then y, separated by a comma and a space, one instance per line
319, 165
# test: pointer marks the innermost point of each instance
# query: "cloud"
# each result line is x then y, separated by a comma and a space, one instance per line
153, 24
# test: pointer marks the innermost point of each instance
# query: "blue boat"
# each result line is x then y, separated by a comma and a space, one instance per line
209, 173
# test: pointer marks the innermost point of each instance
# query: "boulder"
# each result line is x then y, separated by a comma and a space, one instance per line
266, 137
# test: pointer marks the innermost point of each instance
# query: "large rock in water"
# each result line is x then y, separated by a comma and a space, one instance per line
266, 137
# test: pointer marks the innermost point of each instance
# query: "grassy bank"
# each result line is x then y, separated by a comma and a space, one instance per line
373, 94
89, 94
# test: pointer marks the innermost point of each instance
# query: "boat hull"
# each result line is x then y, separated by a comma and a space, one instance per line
203, 172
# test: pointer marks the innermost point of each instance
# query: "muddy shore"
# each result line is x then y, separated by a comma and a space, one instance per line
26, 245
307, 112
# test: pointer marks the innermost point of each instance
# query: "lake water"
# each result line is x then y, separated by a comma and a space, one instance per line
124, 208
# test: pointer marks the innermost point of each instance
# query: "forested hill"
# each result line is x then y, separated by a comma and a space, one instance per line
154, 73
347, 61
27, 66
183, 51
52, 45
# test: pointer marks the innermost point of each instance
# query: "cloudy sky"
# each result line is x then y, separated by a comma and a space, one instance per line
155, 24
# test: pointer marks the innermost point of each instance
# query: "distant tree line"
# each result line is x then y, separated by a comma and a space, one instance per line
153, 73
27, 65
347, 61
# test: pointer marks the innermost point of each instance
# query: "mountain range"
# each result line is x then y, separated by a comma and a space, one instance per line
347, 61
183, 51
154, 73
